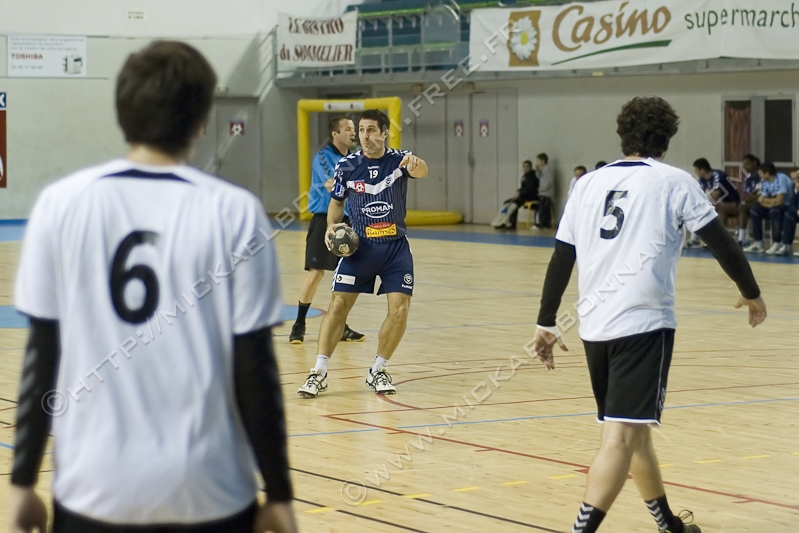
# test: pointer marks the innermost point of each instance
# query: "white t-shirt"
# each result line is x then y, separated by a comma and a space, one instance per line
626, 222
150, 272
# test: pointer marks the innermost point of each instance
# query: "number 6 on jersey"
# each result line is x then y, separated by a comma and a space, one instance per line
121, 277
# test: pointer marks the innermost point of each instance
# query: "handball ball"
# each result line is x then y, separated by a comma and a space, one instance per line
345, 242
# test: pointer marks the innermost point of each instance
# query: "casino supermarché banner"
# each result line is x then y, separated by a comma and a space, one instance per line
308, 42
640, 32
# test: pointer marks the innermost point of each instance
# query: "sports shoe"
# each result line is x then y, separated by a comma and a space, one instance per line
687, 527
775, 248
755, 248
692, 244
350, 335
297, 335
785, 249
380, 381
314, 384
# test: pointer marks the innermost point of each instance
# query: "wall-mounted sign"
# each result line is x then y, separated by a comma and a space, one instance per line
3, 158
311, 42
236, 127
484, 128
458, 128
46, 56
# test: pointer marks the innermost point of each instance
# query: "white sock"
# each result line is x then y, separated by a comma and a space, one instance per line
321, 363
379, 361
741, 234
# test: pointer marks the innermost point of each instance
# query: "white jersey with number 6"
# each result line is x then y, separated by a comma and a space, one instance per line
626, 222
150, 271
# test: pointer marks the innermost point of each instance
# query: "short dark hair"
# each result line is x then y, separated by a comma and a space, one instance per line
753, 158
581, 167
334, 124
527, 162
543, 157
646, 125
702, 164
767, 167
601, 164
378, 116
163, 95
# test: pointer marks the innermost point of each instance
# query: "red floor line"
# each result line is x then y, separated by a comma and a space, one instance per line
582, 468
412, 408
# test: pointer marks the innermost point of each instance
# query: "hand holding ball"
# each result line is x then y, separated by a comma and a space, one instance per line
343, 241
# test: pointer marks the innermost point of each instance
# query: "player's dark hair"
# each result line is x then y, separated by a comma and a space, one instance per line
702, 164
334, 124
581, 167
753, 158
543, 157
646, 125
600, 164
767, 167
376, 115
527, 162
163, 95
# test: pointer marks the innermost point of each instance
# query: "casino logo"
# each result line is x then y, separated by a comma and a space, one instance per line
408, 279
381, 229
377, 209
360, 186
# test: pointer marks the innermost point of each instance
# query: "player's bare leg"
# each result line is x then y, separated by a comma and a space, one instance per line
334, 321
329, 336
388, 339
309, 285
645, 470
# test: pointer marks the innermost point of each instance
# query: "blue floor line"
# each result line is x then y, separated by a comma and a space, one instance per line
15, 230
536, 417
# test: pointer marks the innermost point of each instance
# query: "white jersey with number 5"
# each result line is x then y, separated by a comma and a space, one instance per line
626, 222
150, 271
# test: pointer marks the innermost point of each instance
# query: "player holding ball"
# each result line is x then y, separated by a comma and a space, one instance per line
375, 182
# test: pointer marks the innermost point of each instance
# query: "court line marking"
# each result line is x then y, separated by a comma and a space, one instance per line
465, 489
371, 502
706, 461
756, 457
415, 496
432, 502
398, 526
320, 510
565, 476
520, 482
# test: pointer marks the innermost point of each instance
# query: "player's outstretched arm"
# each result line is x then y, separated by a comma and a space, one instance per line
39, 372
417, 168
557, 279
736, 266
260, 401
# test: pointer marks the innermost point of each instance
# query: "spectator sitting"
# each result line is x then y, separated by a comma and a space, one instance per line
750, 195
526, 193
579, 172
776, 194
790, 219
721, 191
600, 164
546, 190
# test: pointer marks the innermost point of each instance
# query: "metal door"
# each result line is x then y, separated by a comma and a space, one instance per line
238, 134
458, 134
483, 160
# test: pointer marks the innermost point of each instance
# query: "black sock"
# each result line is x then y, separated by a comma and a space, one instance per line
588, 519
302, 310
663, 516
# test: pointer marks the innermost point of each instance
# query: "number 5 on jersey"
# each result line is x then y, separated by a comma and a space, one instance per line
611, 209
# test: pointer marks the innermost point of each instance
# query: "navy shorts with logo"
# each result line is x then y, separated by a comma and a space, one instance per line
392, 261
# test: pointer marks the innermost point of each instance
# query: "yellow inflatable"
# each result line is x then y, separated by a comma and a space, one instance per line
432, 218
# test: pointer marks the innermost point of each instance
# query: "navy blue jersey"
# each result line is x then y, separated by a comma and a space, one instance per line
719, 180
376, 191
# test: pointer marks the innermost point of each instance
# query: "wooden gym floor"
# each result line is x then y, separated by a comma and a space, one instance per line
515, 456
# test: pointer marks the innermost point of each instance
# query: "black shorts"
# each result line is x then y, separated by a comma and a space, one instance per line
629, 376
65, 521
317, 256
